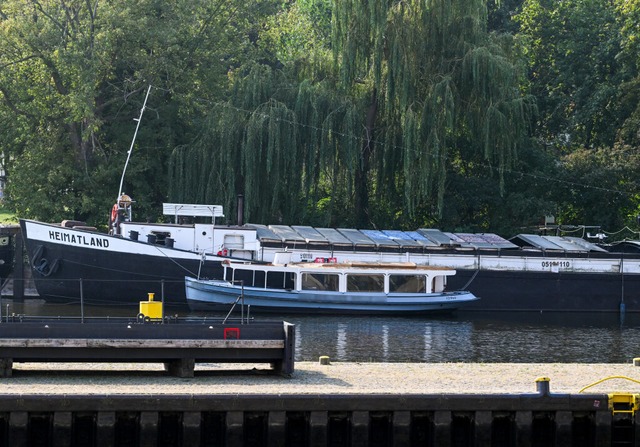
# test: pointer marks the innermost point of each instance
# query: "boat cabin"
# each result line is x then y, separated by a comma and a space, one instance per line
387, 278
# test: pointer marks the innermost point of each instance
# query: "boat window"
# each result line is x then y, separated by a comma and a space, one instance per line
320, 281
407, 284
365, 283
251, 278
280, 280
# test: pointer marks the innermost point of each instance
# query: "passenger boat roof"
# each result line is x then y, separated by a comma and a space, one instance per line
344, 267
353, 265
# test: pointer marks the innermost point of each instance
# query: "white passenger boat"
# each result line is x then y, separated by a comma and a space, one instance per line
328, 287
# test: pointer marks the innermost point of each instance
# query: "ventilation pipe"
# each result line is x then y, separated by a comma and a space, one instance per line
240, 210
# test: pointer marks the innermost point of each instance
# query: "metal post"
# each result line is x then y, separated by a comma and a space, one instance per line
81, 302
19, 269
622, 305
162, 298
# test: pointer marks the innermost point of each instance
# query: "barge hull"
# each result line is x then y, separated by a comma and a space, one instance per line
106, 274
542, 292
108, 270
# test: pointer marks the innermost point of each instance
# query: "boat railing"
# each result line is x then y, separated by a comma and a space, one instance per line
239, 299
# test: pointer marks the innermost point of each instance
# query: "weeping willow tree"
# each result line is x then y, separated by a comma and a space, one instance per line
285, 145
412, 90
442, 92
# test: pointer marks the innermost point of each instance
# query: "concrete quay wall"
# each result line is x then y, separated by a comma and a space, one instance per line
319, 405
344, 420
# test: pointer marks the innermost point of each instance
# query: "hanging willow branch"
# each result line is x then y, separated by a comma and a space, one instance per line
443, 92
438, 54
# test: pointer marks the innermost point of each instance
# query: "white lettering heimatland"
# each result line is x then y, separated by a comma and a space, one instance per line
79, 239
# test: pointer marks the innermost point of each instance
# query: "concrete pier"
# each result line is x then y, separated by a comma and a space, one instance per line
178, 343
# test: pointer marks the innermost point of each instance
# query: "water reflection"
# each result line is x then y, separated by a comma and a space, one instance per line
464, 337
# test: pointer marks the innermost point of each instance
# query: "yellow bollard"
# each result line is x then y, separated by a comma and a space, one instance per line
150, 310
542, 385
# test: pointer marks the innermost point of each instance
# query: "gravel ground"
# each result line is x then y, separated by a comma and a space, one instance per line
314, 378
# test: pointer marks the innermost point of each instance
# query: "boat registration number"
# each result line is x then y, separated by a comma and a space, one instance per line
560, 264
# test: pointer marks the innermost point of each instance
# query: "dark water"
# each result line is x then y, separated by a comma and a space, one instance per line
462, 337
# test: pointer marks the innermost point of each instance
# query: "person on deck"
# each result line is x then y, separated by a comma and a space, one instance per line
119, 213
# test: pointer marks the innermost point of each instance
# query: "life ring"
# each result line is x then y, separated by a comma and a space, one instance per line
114, 213
223, 252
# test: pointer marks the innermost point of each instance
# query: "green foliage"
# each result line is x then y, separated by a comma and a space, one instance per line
629, 57
72, 77
331, 113
445, 85
473, 206
573, 49
280, 144
615, 172
7, 216
420, 88
298, 33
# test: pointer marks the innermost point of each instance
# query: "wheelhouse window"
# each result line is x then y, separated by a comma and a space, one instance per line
281, 280
365, 283
249, 278
407, 284
320, 281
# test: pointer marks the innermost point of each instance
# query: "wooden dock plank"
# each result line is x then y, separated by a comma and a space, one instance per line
139, 343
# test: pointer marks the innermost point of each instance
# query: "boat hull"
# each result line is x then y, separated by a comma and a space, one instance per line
71, 265
7, 251
541, 292
120, 271
221, 295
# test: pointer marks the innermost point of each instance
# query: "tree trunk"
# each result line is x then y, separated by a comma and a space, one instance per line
362, 170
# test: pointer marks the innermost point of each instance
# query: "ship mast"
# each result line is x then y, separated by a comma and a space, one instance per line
144, 105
